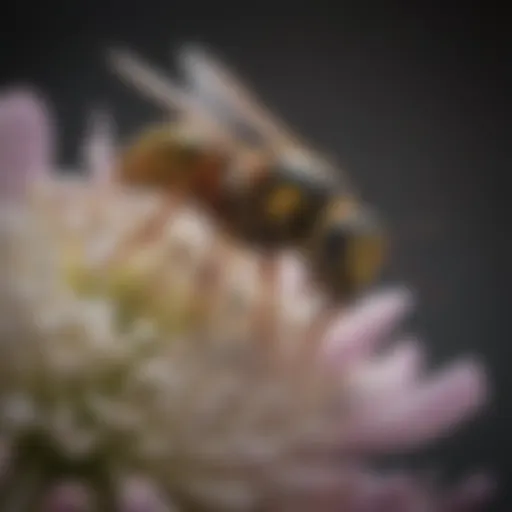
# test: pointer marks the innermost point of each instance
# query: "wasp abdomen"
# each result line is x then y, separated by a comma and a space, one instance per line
279, 208
347, 252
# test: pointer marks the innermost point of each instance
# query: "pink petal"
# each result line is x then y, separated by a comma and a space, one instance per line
140, 495
402, 366
423, 413
471, 495
340, 492
69, 497
26, 141
356, 334
391, 494
389, 375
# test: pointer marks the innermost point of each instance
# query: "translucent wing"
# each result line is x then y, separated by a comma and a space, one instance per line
163, 91
217, 85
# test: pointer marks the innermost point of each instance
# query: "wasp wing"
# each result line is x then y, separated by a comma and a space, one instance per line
165, 92
220, 87
223, 91
219, 98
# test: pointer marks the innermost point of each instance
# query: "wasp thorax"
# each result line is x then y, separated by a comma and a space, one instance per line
166, 158
195, 136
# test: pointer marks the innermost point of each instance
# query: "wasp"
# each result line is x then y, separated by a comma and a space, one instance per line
264, 185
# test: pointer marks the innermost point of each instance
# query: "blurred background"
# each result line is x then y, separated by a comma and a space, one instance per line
413, 102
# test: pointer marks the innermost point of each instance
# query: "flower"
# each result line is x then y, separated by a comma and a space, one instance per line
149, 374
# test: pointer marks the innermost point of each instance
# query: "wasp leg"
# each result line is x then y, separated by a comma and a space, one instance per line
209, 285
266, 321
316, 330
149, 230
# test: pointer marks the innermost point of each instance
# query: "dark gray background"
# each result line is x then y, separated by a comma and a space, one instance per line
412, 100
